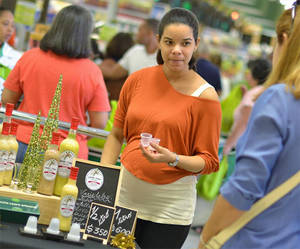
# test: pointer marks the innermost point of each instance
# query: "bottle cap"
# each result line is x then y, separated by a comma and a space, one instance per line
8, 109
55, 138
74, 123
5, 128
13, 128
74, 173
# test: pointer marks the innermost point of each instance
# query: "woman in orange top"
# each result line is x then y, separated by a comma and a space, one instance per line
173, 103
65, 50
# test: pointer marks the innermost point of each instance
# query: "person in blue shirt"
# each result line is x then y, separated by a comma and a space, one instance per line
267, 155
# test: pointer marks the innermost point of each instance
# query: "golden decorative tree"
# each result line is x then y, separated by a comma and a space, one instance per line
34, 157
29, 155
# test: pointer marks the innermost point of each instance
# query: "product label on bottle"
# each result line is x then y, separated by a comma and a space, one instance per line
3, 159
65, 163
50, 169
94, 179
67, 205
11, 160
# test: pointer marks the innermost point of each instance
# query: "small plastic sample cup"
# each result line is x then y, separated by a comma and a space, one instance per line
31, 225
145, 139
53, 227
156, 141
74, 234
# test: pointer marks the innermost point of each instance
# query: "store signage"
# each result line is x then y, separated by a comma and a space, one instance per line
124, 221
97, 183
99, 222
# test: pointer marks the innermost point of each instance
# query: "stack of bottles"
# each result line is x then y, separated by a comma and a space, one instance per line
57, 163
58, 176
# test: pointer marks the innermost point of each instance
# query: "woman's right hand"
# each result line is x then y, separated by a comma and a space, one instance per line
160, 155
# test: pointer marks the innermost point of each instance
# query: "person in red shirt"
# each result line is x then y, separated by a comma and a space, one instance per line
173, 103
65, 50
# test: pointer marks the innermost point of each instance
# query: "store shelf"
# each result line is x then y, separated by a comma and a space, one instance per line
89, 131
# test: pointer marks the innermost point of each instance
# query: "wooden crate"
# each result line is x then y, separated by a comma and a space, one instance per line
48, 205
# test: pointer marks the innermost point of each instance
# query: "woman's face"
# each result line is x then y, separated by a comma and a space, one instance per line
7, 26
177, 45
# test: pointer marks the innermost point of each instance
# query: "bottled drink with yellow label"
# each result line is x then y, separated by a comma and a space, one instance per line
68, 150
67, 201
4, 150
12, 154
50, 166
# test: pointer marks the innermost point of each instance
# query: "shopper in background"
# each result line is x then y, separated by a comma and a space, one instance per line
115, 49
207, 69
216, 58
173, 103
96, 55
259, 70
65, 50
267, 155
8, 55
139, 56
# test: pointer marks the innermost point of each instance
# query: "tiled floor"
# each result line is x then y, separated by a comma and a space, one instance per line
203, 210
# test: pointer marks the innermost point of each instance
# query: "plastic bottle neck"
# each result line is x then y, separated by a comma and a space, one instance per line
7, 119
72, 181
72, 134
3, 137
12, 137
53, 147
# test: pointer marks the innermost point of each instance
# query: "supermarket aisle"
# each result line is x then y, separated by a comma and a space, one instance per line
203, 210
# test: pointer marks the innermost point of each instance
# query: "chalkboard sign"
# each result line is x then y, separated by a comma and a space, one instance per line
96, 183
124, 221
99, 221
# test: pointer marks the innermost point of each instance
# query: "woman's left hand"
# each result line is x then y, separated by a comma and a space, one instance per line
158, 155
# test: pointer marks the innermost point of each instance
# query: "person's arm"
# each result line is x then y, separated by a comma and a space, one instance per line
112, 146
98, 119
223, 215
9, 96
238, 128
115, 72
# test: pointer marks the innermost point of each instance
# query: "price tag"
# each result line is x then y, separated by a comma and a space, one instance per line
99, 222
124, 221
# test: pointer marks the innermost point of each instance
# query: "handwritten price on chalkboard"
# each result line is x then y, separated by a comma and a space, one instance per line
96, 230
120, 230
122, 218
101, 218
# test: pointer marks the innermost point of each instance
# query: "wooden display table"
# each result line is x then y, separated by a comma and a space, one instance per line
48, 205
